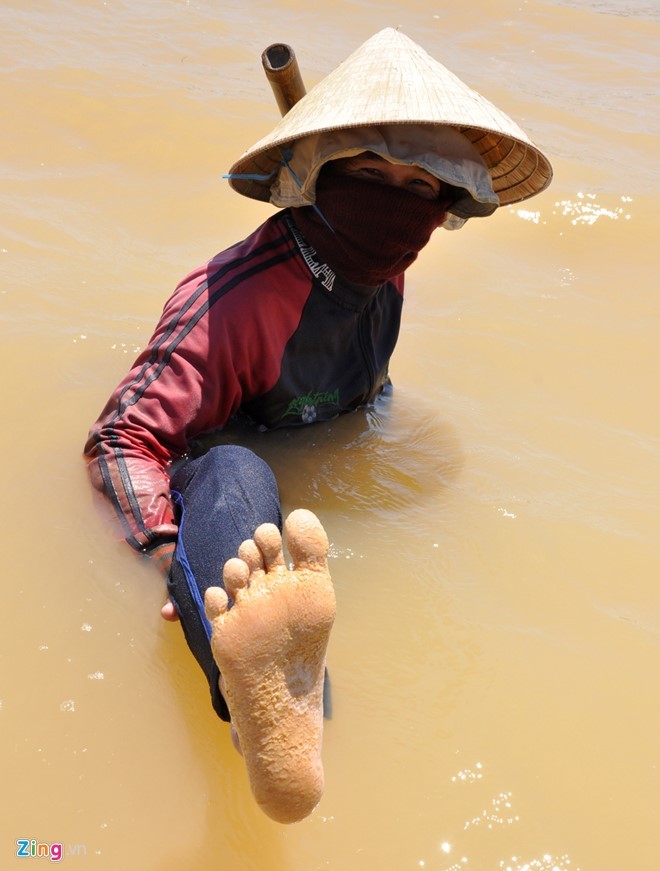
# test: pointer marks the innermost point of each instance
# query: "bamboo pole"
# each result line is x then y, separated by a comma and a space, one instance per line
281, 68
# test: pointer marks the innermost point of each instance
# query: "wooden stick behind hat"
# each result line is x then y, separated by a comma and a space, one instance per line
281, 68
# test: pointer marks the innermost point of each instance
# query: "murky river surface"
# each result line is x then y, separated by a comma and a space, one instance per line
494, 525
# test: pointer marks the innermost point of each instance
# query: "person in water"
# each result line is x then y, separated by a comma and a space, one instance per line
293, 325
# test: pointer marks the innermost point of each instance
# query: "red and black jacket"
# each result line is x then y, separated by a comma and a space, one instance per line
264, 328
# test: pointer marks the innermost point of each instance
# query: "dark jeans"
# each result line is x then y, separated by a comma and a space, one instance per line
221, 498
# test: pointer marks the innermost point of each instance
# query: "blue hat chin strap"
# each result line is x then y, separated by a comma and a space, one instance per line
287, 154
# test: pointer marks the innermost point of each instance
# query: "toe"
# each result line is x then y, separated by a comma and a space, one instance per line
235, 576
269, 541
250, 554
215, 603
306, 540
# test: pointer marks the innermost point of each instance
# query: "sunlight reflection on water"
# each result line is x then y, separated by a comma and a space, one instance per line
585, 210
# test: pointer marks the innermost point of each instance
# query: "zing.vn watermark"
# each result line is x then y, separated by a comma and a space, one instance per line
30, 848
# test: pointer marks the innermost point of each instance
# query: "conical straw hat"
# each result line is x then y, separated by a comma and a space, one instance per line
392, 80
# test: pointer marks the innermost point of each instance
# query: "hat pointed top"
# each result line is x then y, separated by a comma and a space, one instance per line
390, 79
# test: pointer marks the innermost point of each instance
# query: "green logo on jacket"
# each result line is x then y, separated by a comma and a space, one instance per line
307, 406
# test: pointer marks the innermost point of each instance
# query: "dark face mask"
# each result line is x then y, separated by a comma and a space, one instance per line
379, 229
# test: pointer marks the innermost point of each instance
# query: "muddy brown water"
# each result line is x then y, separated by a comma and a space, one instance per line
494, 525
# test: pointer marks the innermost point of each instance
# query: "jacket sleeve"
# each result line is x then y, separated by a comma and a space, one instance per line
218, 344
186, 382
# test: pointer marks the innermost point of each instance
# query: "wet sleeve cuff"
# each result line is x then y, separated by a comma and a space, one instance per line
162, 555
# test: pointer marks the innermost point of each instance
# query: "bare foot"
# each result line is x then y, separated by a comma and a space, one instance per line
270, 648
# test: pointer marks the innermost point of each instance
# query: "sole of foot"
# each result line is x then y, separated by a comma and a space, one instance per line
270, 647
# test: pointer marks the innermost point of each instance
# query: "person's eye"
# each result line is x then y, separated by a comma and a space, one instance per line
369, 171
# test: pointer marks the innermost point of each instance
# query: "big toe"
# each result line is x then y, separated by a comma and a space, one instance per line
306, 540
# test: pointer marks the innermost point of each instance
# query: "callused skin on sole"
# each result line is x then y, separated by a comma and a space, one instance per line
270, 647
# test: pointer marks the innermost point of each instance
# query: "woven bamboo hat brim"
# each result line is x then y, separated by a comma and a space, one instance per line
392, 80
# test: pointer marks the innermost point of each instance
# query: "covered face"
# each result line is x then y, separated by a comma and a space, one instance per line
443, 152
